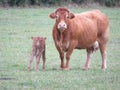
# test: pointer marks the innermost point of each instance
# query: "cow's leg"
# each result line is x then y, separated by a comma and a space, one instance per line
103, 50
44, 59
103, 39
37, 62
89, 56
68, 54
62, 59
61, 53
31, 59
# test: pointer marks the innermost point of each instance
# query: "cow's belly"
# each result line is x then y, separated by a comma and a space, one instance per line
85, 44
85, 32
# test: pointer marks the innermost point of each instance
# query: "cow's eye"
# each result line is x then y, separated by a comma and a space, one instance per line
57, 16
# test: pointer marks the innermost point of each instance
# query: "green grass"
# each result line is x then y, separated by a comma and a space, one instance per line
16, 28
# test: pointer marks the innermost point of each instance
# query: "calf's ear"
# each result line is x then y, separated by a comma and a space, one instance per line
71, 15
52, 15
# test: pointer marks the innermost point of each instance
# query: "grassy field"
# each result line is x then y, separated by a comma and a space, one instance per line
16, 28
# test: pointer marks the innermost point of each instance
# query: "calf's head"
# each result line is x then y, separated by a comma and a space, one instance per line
38, 41
62, 16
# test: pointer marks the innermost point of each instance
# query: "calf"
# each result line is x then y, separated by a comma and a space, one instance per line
38, 49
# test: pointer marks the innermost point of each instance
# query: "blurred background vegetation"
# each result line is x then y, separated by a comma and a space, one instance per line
25, 3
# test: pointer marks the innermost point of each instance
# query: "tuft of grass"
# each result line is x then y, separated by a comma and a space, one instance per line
16, 28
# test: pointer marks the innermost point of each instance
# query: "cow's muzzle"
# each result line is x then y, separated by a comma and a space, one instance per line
62, 26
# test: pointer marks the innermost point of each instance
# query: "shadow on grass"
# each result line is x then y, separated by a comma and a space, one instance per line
7, 78
57, 69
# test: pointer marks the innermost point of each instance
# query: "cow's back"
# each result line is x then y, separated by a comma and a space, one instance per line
101, 19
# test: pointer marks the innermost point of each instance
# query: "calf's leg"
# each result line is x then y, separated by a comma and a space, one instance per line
37, 62
44, 59
31, 60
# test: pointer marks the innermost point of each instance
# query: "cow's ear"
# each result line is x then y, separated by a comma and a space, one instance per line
71, 15
52, 15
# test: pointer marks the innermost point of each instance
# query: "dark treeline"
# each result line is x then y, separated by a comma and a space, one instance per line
109, 3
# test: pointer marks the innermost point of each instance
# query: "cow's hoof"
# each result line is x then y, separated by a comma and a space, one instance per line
37, 70
62, 68
66, 69
104, 67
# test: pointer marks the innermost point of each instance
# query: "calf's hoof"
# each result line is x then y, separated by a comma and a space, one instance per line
28, 68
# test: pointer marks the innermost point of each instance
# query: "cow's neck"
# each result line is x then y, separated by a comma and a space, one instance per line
64, 40
64, 36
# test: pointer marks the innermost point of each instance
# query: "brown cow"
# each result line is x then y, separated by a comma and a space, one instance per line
80, 31
38, 49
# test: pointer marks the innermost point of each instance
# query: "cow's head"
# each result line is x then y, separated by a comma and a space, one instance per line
62, 16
